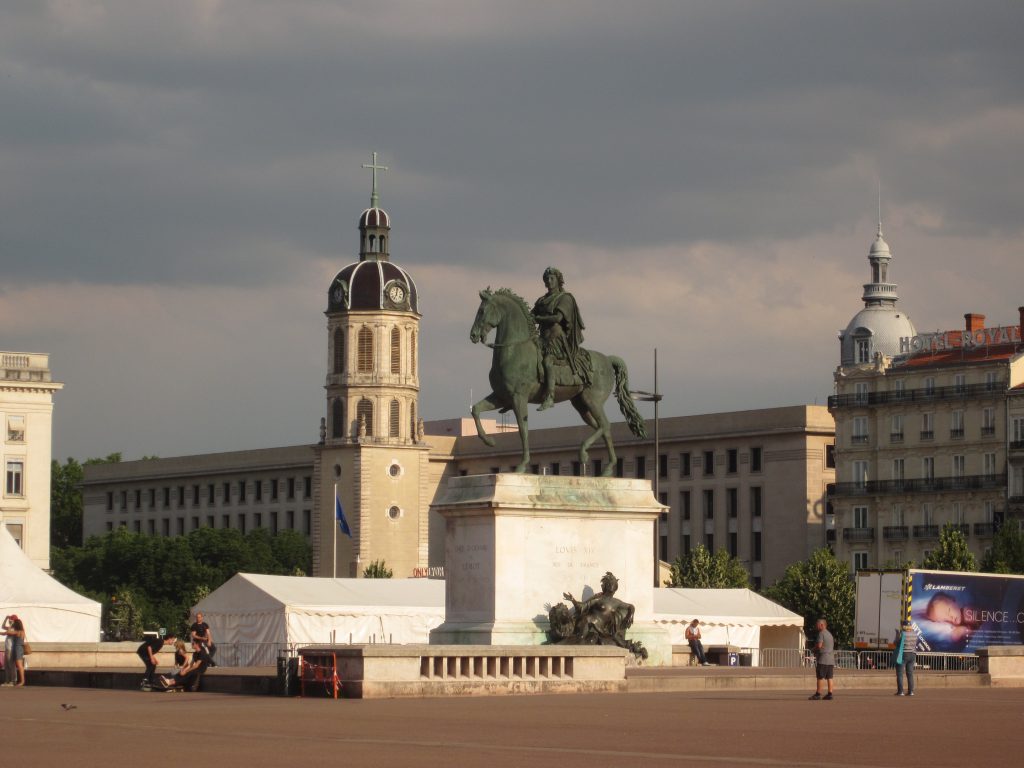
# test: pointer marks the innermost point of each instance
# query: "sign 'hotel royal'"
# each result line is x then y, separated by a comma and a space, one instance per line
947, 340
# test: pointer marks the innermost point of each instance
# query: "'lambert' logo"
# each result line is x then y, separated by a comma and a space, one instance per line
944, 587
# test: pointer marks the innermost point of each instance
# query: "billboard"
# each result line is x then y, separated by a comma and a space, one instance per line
962, 612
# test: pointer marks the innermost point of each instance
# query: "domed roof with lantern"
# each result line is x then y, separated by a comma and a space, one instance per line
374, 282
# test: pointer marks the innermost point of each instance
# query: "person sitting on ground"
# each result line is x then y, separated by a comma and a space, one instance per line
188, 676
147, 652
696, 646
182, 655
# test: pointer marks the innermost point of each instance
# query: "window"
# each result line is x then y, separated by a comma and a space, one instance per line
860, 517
709, 504
15, 478
686, 544
273, 490
15, 429
928, 468
241, 490
152, 498
733, 543
732, 504
709, 463
860, 561
1017, 432
556, 468
620, 467
273, 523
396, 351
364, 357
180, 526
137, 526
989, 464
209, 493
339, 350
755, 546
755, 502
929, 386
241, 523
577, 469
958, 513
830, 455
863, 350
225, 521
991, 380
110, 494
898, 470
860, 474
364, 414
860, 430
138, 499
896, 428
257, 489
227, 493
290, 520
956, 425
960, 383
165, 525
167, 497
732, 461
412, 353
988, 422
394, 413
663, 465
897, 558
595, 465
684, 504
307, 487
338, 418
181, 495
291, 487
709, 542
641, 467
899, 388
897, 515
195, 495
926, 514
684, 462
124, 500
860, 393
755, 458
927, 426
307, 521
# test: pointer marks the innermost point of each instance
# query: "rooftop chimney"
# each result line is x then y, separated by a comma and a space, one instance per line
975, 322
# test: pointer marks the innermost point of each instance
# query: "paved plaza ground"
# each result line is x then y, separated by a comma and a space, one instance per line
940, 727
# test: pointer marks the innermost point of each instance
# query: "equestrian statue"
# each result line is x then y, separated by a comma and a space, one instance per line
538, 359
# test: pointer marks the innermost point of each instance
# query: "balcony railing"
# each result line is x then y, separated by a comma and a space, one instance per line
859, 440
927, 434
988, 431
956, 434
895, 437
895, 533
926, 531
984, 529
854, 399
858, 534
918, 485
1016, 445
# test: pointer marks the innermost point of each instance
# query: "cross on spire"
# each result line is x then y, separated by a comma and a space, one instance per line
374, 196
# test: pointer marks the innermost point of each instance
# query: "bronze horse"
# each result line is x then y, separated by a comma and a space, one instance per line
516, 377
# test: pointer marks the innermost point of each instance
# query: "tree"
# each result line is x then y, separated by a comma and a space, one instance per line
819, 587
66, 500
952, 553
377, 570
702, 570
1007, 552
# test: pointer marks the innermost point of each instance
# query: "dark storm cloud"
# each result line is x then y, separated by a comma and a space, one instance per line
216, 145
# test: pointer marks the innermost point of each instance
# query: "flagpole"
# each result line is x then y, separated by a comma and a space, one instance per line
334, 514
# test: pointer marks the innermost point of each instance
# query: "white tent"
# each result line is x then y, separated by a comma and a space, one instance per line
276, 610
727, 617
51, 612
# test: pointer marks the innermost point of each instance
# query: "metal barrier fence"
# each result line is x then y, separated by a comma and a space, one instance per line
793, 658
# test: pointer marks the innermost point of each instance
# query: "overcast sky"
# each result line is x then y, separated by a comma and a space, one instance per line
180, 181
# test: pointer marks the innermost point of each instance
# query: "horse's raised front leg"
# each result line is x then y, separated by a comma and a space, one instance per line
581, 407
519, 408
482, 406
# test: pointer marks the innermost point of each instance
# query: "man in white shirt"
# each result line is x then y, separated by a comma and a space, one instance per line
696, 646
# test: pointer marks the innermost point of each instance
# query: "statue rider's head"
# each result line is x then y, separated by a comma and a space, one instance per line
609, 584
557, 274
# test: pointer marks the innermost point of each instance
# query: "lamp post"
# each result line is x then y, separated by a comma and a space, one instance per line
654, 397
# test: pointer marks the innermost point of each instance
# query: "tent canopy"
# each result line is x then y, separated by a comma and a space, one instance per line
728, 617
51, 612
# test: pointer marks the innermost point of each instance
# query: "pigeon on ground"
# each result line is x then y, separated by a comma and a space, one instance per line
67, 707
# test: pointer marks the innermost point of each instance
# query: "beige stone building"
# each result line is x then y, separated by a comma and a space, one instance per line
929, 430
26, 416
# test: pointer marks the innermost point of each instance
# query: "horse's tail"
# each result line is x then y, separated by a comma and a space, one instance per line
626, 404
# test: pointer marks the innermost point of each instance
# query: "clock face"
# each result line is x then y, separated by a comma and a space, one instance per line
396, 293
339, 294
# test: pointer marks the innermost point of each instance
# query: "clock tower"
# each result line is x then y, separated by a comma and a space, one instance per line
371, 455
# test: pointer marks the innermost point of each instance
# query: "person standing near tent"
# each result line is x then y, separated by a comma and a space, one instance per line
200, 633
15, 631
696, 646
147, 652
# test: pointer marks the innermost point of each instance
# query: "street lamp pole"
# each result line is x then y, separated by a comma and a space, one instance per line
654, 397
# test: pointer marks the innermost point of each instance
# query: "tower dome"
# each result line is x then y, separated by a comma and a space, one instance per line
878, 327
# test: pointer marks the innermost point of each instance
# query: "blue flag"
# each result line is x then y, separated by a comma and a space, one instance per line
339, 515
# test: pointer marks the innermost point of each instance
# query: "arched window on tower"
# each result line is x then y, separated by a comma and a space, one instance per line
412, 353
412, 420
383, 244
338, 418
393, 415
396, 350
373, 243
862, 349
339, 350
365, 352
364, 414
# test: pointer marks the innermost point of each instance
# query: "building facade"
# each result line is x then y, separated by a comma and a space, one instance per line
26, 416
934, 435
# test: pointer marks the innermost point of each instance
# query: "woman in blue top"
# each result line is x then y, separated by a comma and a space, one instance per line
15, 629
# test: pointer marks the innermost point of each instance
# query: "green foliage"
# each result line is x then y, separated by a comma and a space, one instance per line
123, 617
165, 577
377, 570
702, 570
952, 553
66, 500
1007, 552
819, 587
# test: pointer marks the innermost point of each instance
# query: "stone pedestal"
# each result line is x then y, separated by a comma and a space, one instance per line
515, 543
